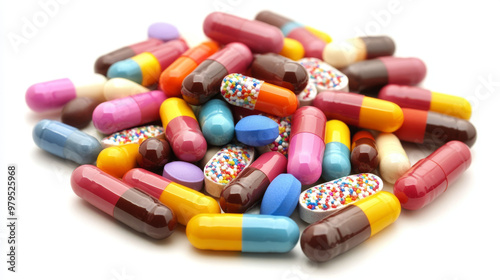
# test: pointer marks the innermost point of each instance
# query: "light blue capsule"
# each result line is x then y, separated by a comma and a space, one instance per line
216, 122
266, 233
128, 69
336, 161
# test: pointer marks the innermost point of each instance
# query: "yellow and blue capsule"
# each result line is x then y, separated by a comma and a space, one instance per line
336, 160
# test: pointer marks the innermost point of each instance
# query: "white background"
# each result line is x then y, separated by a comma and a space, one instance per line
62, 237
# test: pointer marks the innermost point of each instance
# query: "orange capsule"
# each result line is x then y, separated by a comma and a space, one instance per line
172, 77
253, 94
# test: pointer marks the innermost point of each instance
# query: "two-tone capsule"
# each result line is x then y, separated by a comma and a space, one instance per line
243, 232
340, 54
182, 130
66, 142
423, 99
430, 177
117, 160
204, 82
349, 226
249, 186
434, 129
172, 77
122, 202
307, 146
145, 68
118, 114
364, 154
336, 160
184, 202
393, 159
254, 94
260, 37
359, 110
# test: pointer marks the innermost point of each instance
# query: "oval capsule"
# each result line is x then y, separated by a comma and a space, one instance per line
258, 36
122, 202
55, 94
307, 146
153, 154
116, 161
254, 94
281, 71
243, 232
375, 73
423, 99
184, 202
182, 130
323, 76
349, 226
434, 129
120, 87
78, 112
249, 186
359, 110
393, 159
216, 122
204, 82
340, 54
336, 160
115, 115
145, 68
430, 177
103, 63
172, 77
66, 141
133, 135
225, 165
292, 49
364, 154
324, 199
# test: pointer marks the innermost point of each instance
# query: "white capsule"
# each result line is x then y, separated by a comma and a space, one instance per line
119, 87
393, 159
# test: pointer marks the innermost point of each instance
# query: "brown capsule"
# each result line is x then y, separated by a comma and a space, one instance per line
281, 71
364, 155
153, 154
78, 112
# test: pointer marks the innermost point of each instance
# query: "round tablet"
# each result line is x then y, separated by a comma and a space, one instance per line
256, 130
184, 173
163, 31
282, 196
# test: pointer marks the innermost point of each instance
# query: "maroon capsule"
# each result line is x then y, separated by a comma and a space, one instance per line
280, 71
364, 155
78, 112
153, 154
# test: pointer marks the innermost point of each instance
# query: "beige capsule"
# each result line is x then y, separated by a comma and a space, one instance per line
393, 159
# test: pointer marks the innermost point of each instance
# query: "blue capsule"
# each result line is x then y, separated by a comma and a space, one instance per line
216, 122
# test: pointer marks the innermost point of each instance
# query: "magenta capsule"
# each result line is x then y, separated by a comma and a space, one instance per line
375, 73
307, 145
431, 176
122, 202
313, 45
103, 63
250, 185
260, 37
204, 82
118, 114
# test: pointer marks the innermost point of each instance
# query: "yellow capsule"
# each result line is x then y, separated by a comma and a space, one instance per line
292, 49
119, 159
320, 34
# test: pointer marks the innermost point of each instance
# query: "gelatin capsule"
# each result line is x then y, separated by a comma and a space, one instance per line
133, 135
336, 159
78, 112
364, 154
216, 122
393, 159
120, 87
116, 161
292, 49
323, 76
153, 154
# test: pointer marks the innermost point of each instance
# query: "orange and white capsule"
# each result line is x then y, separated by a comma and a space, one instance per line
254, 94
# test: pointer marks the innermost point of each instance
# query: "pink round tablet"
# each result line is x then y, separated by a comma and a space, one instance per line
184, 173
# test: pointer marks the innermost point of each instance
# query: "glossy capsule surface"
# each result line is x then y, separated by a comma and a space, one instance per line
116, 161
66, 142
281, 71
349, 226
313, 45
307, 146
182, 130
336, 159
145, 68
292, 49
364, 154
434, 129
393, 159
172, 77
340, 54
153, 154
249, 186
254, 94
78, 112
204, 82
375, 73
423, 99
216, 122
258, 36
103, 63
55, 94
116, 88
243, 232
184, 202
118, 114
359, 110
122, 202
430, 177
